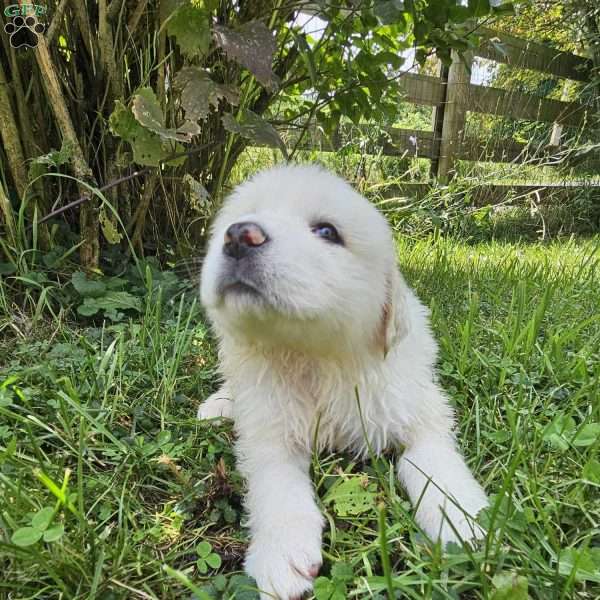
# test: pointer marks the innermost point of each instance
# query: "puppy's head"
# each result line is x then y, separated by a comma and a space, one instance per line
298, 259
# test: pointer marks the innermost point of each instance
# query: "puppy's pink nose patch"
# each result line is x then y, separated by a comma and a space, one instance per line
252, 236
249, 234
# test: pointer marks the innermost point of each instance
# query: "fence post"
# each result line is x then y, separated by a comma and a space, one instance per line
438, 122
455, 113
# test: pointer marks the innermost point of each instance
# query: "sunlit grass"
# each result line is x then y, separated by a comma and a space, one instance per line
97, 423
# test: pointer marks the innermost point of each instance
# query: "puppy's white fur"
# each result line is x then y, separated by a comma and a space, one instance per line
335, 348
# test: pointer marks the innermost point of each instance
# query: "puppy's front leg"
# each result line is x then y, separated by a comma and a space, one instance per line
440, 483
285, 550
217, 405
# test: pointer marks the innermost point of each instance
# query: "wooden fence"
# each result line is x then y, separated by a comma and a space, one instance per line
452, 95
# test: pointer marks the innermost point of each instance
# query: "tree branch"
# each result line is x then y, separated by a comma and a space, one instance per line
59, 13
123, 179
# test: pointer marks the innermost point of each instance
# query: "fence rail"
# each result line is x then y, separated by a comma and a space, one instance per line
513, 51
453, 95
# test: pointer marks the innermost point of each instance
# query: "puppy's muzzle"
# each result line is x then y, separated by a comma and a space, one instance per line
241, 239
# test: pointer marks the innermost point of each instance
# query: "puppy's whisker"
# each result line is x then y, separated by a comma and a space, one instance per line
189, 267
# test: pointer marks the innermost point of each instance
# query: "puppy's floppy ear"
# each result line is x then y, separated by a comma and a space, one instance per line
394, 322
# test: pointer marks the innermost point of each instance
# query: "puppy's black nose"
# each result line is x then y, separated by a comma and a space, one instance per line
242, 238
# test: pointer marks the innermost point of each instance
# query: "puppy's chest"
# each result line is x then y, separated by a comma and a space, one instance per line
337, 413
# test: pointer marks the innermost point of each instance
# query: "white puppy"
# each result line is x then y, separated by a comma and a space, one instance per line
322, 341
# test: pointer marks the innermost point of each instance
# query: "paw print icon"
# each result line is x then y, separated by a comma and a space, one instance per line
24, 31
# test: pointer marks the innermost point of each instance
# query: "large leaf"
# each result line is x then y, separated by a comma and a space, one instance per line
111, 233
255, 128
353, 496
26, 536
388, 11
148, 113
86, 287
213, 561
253, 46
55, 158
146, 145
198, 195
587, 435
582, 564
199, 92
591, 471
326, 589
42, 519
342, 571
111, 301
479, 8
509, 586
560, 431
190, 24
54, 533
203, 549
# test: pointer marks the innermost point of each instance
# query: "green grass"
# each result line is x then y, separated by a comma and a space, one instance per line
109, 486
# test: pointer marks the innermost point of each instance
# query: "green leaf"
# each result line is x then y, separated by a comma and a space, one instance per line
243, 587
26, 536
6, 397
41, 520
252, 46
339, 592
388, 11
583, 564
342, 571
86, 287
54, 533
220, 583
587, 435
202, 566
352, 497
499, 436
479, 8
199, 92
213, 561
509, 586
190, 24
591, 471
164, 437
198, 195
323, 588
307, 57
203, 549
147, 146
110, 232
56, 158
87, 310
255, 128
148, 113
111, 301
122, 122
560, 432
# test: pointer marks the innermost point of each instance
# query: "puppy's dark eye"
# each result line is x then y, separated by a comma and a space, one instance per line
328, 232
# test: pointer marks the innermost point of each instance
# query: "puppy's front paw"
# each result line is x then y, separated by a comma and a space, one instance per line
216, 406
452, 519
460, 527
285, 561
